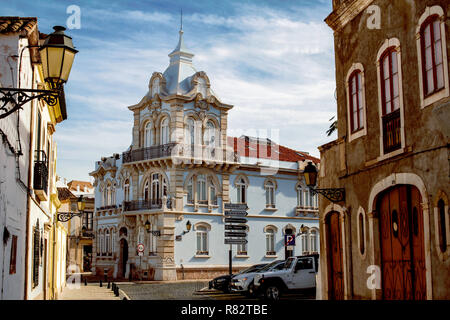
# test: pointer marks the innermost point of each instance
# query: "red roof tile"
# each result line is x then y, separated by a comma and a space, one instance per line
266, 149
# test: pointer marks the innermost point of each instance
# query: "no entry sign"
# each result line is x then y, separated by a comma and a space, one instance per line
140, 247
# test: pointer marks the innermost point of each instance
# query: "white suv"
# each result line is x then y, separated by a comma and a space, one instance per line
298, 273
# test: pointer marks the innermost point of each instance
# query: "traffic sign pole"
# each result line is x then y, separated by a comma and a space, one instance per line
230, 259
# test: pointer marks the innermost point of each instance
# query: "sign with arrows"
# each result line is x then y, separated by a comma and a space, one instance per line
235, 227
236, 241
238, 213
236, 234
235, 220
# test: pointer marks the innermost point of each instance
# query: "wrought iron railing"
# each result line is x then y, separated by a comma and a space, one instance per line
137, 205
391, 132
40, 171
153, 152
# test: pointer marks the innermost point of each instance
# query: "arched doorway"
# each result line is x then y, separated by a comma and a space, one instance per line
402, 243
123, 258
335, 257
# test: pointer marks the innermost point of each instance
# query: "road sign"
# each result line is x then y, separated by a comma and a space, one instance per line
236, 241
235, 220
289, 239
238, 213
235, 206
235, 234
140, 247
140, 254
235, 227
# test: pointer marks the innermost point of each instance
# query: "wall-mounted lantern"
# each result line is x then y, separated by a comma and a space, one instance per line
332, 194
147, 226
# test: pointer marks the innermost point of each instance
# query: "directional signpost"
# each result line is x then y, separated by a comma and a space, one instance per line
235, 227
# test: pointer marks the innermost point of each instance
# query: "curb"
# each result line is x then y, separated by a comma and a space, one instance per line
123, 295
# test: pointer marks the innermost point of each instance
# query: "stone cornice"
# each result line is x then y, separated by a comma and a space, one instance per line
345, 13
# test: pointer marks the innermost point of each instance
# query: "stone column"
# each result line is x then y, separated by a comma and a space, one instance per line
225, 187
176, 188
136, 125
165, 267
176, 123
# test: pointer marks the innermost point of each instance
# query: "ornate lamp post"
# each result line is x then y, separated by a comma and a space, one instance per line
57, 55
332, 194
66, 216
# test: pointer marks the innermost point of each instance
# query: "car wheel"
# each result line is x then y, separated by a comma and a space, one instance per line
251, 290
272, 292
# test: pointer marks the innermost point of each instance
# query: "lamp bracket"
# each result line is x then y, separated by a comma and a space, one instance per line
332, 194
16, 98
66, 216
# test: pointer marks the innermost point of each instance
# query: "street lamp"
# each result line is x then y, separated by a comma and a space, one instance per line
147, 226
66, 216
188, 227
332, 194
57, 55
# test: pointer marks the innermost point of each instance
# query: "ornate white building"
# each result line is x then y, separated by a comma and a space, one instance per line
179, 171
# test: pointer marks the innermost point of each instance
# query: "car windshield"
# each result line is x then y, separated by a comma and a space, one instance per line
252, 268
269, 266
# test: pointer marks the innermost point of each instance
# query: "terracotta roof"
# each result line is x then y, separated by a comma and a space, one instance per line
17, 24
266, 149
73, 185
64, 194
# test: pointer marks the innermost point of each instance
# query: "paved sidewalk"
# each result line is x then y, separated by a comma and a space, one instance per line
90, 292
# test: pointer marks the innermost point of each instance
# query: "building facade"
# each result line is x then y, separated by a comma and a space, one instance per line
80, 229
179, 171
33, 246
390, 238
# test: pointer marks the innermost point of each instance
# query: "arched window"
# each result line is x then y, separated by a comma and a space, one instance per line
306, 197
113, 241
361, 233
126, 189
165, 131
270, 194
305, 242
270, 242
201, 189
442, 226
190, 132
432, 60
241, 187
148, 135
202, 240
356, 102
190, 191
390, 81
146, 191
313, 239
210, 134
107, 242
155, 188
300, 201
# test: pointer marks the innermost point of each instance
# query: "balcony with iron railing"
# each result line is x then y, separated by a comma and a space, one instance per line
391, 132
180, 150
139, 205
40, 173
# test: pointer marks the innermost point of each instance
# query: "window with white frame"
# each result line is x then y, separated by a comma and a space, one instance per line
270, 194
432, 56
270, 241
190, 132
155, 191
146, 191
300, 202
164, 131
356, 101
148, 135
306, 197
305, 242
241, 188
201, 189
202, 240
313, 239
113, 241
242, 249
190, 191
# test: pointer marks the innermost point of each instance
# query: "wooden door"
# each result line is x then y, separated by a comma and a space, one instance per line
335, 257
402, 248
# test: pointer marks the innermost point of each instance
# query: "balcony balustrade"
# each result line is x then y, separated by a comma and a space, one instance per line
138, 205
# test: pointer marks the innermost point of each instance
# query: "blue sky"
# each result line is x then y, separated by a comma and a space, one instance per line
272, 60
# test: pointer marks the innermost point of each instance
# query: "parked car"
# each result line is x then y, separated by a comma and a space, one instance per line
297, 274
243, 283
222, 283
